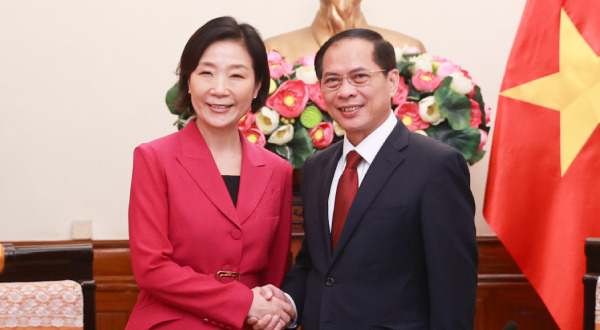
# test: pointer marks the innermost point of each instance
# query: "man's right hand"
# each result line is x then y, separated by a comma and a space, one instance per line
272, 321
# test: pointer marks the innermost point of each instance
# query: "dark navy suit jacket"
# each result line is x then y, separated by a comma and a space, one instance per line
407, 256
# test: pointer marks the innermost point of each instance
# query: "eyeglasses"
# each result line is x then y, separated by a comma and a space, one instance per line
357, 79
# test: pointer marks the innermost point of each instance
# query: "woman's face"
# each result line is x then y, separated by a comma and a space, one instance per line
223, 85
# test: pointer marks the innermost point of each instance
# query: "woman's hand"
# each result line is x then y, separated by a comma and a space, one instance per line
268, 314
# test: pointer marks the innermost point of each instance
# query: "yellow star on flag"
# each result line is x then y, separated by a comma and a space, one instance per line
574, 91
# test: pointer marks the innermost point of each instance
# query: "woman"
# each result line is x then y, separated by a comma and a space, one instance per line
210, 212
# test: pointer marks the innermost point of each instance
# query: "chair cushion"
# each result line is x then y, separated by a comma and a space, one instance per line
41, 305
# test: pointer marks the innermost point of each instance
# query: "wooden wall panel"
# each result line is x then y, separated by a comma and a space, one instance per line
116, 290
504, 294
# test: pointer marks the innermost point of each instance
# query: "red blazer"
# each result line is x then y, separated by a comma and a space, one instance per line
184, 228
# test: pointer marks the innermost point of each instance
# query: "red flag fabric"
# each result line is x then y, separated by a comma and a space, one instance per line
543, 190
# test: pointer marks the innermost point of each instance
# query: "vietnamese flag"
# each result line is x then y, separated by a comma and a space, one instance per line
543, 190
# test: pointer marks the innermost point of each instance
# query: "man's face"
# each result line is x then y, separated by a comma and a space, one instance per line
358, 109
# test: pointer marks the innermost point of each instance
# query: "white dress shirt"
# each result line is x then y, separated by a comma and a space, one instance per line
367, 149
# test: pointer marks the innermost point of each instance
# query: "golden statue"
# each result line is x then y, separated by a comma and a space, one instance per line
334, 16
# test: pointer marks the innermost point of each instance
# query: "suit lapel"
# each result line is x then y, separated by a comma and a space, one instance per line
197, 160
254, 178
387, 160
326, 175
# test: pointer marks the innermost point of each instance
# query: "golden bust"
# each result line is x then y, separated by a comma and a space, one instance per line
333, 16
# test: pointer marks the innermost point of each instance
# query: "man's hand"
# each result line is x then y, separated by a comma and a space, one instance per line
272, 321
268, 291
272, 313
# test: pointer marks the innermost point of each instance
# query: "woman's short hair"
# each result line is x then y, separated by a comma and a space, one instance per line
220, 29
383, 51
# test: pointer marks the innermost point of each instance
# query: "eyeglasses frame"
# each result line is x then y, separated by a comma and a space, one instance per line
347, 78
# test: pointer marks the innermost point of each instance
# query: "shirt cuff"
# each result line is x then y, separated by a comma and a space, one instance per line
293, 323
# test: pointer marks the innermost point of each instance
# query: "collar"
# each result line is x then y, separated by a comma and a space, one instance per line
369, 147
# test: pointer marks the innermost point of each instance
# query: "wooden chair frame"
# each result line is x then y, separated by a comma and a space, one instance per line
592, 254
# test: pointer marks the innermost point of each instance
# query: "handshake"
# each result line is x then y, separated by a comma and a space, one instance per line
271, 309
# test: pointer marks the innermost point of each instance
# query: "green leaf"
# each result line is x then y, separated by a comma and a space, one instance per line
466, 141
283, 151
413, 94
285, 78
479, 99
455, 107
477, 155
180, 122
301, 146
170, 99
404, 68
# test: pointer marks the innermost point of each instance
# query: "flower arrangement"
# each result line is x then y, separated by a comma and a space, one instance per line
435, 97
439, 99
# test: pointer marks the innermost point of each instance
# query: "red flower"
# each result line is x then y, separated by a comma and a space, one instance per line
322, 134
247, 121
316, 95
425, 81
482, 139
401, 93
409, 114
488, 114
278, 66
308, 60
255, 135
475, 114
290, 98
466, 73
471, 94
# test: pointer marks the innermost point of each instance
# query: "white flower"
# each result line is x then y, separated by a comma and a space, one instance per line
422, 132
282, 135
267, 120
307, 74
460, 83
429, 111
338, 130
398, 52
422, 62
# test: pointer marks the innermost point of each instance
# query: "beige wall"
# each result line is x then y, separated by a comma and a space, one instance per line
82, 83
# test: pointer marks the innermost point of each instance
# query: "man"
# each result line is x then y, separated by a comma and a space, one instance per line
405, 256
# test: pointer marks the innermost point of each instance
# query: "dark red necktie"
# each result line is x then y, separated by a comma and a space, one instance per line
346, 190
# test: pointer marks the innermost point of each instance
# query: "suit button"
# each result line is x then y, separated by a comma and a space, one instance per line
236, 234
329, 281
